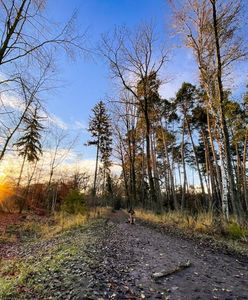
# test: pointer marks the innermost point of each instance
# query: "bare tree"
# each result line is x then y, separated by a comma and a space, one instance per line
59, 147
26, 93
124, 116
28, 42
133, 57
26, 31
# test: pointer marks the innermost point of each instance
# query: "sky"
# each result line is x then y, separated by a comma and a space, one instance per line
87, 80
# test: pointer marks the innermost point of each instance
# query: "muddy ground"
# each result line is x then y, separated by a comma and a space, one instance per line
116, 260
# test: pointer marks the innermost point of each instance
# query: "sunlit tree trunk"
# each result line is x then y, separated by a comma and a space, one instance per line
155, 171
170, 171
196, 157
245, 178
148, 151
183, 204
96, 168
225, 153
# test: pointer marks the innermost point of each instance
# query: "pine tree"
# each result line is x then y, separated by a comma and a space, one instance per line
29, 145
149, 101
186, 98
100, 129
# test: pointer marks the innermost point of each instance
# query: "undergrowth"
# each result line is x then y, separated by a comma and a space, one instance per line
15, 272
47, 227
203, 223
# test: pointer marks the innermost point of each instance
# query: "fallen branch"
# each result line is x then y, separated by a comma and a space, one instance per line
166, 273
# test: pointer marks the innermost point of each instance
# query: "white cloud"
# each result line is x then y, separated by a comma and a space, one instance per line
80, 125
65, 166
10, 100
169, 89
57, 121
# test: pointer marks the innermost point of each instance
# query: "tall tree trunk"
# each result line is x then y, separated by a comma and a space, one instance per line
238, 171
148, 152
217, 170
132, 177
226, 153
133, 165
125, 176
96, 169
30, 180
211, 186
225, 206
170, 171
244, 173
155, 171
196, 158
184, 168
143, 194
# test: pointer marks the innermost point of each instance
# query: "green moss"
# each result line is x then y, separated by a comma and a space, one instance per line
6, 287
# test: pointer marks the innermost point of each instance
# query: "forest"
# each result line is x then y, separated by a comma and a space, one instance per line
179, 162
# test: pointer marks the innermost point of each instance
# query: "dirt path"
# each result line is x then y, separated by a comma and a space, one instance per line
111, 259
130, 254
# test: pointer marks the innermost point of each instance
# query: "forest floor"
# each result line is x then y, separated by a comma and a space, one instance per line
109, 258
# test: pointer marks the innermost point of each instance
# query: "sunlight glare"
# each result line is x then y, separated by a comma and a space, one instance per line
5, 187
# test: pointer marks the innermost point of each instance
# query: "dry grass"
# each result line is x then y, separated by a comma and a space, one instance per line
34, 227
204, 223
64, 222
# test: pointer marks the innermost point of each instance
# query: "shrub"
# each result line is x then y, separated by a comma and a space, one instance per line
74, 202
234, 231
8, 204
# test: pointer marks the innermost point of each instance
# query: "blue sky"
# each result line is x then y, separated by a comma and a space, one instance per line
86, 81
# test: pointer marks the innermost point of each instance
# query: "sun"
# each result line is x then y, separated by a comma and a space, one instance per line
2, 176
6, 188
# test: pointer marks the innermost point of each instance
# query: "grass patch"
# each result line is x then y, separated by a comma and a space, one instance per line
64, 221
236, 232
60, 241
201, 222
24, 272
34, 228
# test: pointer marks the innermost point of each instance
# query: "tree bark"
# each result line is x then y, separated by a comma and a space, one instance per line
96, 169
244, 173
196, 158
148, 152
184, 168
227, 163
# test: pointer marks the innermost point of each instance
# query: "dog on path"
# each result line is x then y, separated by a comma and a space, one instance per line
131, 218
